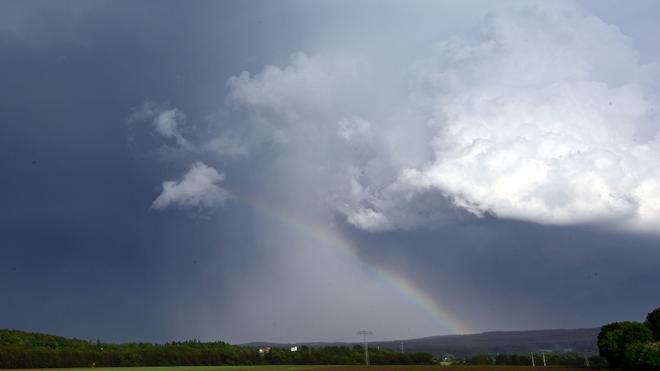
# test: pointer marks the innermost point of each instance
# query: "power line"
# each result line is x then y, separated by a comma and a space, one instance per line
364, 334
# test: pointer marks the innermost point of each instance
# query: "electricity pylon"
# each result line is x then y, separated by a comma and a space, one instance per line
364, 334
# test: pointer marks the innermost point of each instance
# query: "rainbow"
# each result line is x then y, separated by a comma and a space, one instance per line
330, 236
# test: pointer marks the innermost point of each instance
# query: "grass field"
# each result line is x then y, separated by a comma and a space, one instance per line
317, 367
189, 368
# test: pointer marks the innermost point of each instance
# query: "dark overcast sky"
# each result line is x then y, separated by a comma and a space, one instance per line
151, 190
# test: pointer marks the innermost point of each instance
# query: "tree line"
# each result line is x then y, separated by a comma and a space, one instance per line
345, 355
30, 350
632, 345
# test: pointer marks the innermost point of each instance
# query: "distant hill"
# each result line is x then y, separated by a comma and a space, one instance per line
504, 342
571, 340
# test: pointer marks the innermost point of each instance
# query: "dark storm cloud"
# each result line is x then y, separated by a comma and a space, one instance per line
82, 254
522, 276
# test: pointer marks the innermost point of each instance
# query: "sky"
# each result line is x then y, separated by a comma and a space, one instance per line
298, 171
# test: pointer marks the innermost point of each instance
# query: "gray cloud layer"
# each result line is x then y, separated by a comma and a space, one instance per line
411, 134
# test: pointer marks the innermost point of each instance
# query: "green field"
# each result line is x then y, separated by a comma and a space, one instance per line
192, 368
315, 367
189, 368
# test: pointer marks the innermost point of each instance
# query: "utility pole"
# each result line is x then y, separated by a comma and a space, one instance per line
543, 354
364, 334
533, 364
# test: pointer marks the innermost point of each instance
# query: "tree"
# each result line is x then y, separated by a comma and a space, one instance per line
615, 337
653, 323
642, 356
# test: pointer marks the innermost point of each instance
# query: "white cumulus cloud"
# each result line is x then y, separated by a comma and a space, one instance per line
549, 117
544, 115
199, 188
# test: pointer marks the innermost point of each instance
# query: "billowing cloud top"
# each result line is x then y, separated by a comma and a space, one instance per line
547, 118
546, 115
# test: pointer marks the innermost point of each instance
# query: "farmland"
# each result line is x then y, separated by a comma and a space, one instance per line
317, 368
191, 368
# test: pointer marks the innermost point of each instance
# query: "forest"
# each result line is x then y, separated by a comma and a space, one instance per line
32, 350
